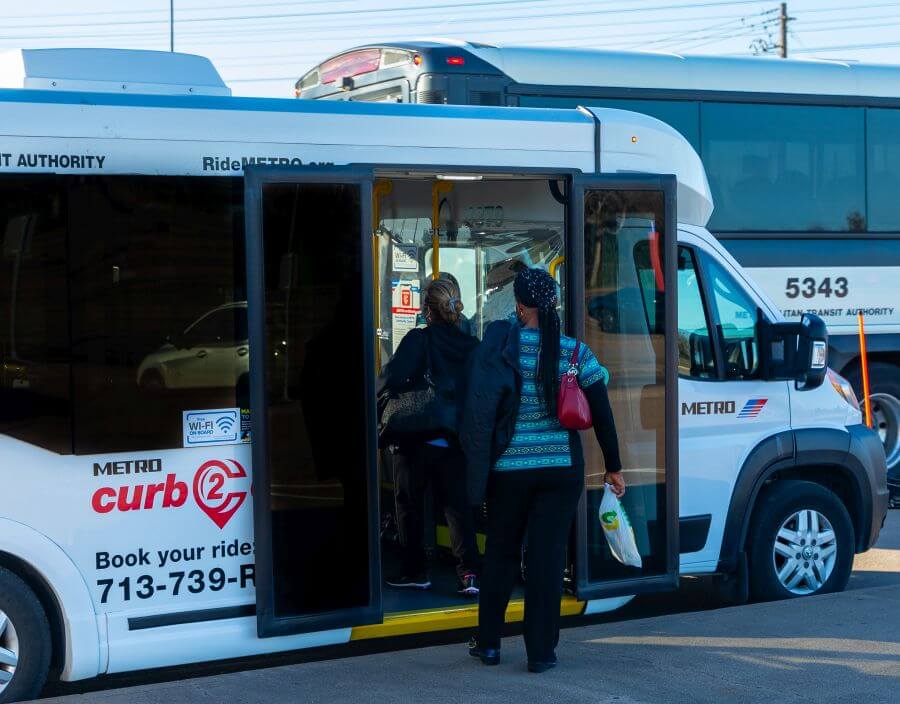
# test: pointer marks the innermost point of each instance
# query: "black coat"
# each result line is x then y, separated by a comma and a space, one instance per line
449, 349
492, 405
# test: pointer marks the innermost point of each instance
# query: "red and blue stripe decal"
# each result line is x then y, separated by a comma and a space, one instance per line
752, 408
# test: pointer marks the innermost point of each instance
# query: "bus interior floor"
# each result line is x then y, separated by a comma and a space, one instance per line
442, 594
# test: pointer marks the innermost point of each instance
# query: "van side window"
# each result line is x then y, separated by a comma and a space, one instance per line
695, 350
734, 313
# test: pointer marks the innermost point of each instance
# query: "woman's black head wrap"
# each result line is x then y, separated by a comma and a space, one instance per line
535, 288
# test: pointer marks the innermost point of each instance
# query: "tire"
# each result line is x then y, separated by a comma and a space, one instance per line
152, 382
783, 505
26, 633
884, 391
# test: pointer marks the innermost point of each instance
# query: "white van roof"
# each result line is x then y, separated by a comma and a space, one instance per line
89, 130
110, 71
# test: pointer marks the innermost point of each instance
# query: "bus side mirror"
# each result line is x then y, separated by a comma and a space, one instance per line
794, 351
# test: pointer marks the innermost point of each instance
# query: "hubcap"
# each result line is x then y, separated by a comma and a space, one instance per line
805, 551
886, 422
9, 651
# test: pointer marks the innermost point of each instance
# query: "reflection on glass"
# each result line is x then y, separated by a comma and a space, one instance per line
318, 458
212, 352
625, 326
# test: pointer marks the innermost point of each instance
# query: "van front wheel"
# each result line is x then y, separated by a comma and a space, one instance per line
800, 543
25, 644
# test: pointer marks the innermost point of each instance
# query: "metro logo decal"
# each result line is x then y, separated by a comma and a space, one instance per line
209, 481
218, 491
752, 408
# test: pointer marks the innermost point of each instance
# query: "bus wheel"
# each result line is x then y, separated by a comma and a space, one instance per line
884, 394
800, 542
25, 644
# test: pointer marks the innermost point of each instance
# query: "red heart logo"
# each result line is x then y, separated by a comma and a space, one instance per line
209, 490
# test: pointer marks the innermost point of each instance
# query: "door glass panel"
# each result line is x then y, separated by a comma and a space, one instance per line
625, 327
315, 376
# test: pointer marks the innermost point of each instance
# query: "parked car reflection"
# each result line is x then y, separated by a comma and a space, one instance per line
211, 352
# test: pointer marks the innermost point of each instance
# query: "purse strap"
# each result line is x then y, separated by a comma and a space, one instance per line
573, 363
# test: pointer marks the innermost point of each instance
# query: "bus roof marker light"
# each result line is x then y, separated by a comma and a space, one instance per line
417, 59
456, 60
634, 139
458, 177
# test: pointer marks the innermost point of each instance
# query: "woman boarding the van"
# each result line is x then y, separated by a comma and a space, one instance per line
528, 464
441, 353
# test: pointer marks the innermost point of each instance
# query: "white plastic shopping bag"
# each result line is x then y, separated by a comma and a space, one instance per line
618, 530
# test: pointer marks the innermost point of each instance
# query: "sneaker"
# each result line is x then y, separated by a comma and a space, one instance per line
468, 585
416, 581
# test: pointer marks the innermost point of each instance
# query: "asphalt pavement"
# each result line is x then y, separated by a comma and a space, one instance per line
832, 648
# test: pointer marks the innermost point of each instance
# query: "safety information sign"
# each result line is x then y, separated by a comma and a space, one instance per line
220, 426
405, 306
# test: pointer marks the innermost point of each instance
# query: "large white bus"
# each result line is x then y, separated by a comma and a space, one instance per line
803, 158
198, 291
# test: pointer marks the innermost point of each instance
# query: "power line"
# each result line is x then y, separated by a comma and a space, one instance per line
407, 8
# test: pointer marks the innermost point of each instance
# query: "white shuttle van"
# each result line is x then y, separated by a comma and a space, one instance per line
153, 225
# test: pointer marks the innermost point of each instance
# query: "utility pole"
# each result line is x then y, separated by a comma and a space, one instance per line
783, 20
172, 24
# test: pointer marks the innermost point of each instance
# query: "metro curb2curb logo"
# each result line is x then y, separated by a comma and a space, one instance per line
209, 489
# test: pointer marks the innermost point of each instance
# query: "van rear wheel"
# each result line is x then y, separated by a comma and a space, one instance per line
800, 543
25, 644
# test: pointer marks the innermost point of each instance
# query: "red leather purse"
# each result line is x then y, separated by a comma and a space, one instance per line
572, 407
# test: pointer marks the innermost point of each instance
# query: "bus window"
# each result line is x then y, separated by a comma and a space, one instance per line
883, 131
785, 167
35, 403
156, 263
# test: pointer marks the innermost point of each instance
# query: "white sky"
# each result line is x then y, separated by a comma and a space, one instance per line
261, 46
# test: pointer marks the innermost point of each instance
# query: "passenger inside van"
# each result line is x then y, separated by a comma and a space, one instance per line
438, 356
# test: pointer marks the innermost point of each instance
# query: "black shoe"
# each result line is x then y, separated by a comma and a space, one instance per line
539, 666
468, 585
416, 581
488, 656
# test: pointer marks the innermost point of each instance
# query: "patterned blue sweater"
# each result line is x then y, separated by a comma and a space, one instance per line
539, 440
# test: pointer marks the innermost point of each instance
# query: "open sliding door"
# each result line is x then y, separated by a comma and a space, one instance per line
309, 282
623, 229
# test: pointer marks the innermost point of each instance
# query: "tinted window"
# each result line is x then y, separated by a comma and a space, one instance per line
684, 116
784, 168
314, 353
883, 129
34, 327
149, 256
735, 314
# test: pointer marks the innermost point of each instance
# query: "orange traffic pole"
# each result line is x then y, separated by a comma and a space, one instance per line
864, 362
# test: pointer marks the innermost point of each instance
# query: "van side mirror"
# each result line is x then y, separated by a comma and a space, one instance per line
794, 351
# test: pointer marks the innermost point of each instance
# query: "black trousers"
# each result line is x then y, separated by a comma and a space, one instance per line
542, 502
444, 469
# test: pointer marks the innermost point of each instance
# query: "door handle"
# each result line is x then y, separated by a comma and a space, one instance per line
242, 351
201, 354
